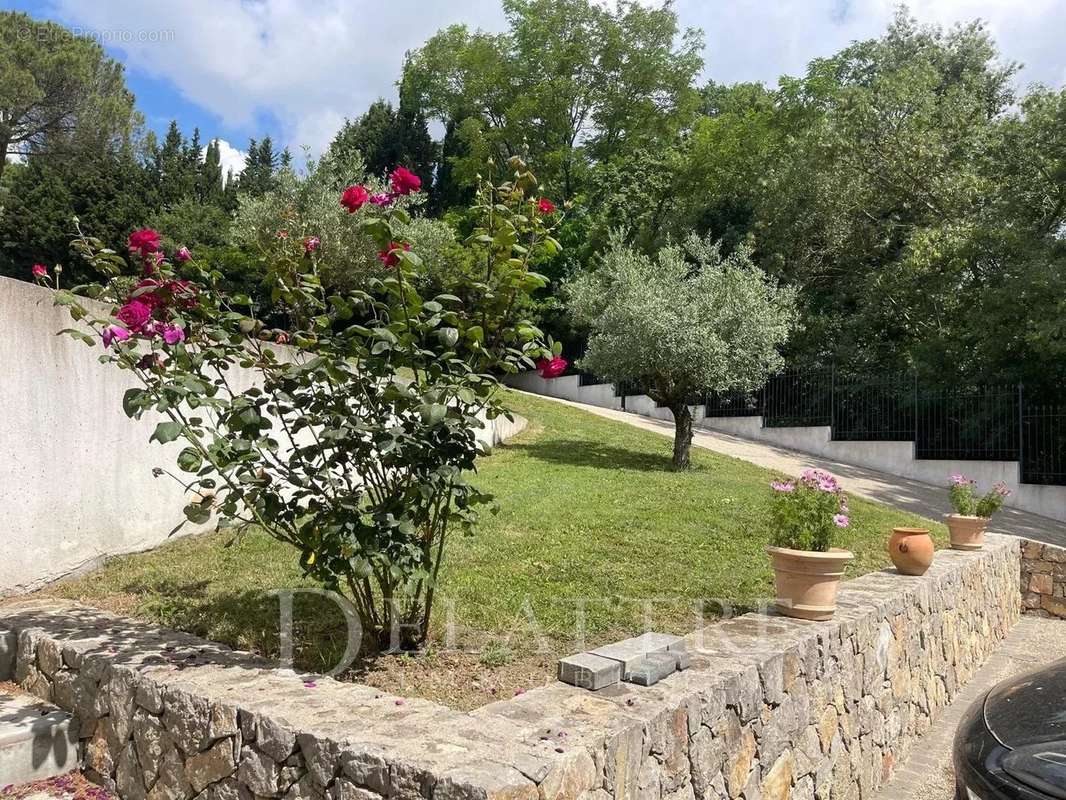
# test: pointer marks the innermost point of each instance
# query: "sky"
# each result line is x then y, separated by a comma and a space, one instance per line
294, 69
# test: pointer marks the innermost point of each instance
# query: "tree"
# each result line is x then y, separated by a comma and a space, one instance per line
384, 138
685, 322
59, 93
111, 193
209, 188
606, 81
173, 168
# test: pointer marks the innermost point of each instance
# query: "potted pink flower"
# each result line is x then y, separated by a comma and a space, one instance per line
972, 511
807, 514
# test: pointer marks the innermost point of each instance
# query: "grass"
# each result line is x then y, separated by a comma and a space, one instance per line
595, 537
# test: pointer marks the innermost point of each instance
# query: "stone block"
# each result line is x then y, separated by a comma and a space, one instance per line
630, 651
652, 668
589, 671
1041, 584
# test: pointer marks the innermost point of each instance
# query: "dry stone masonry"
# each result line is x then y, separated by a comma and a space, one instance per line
769, 708
1044, 579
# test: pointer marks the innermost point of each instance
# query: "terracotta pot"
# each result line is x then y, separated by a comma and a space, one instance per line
807, 581
911, 550
967, 533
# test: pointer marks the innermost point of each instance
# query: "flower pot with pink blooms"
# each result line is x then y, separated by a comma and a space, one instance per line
972, 511
807, 515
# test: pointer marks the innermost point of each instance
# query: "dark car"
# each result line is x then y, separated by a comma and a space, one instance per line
1012, 742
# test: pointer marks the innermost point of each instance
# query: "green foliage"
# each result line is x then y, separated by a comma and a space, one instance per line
384, 137
354, 446
607, 81
193, 223
688, 321
46, 196
965, 500
807, 513
60, 95
302, 206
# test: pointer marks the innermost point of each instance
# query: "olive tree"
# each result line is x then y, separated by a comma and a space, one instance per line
688, 320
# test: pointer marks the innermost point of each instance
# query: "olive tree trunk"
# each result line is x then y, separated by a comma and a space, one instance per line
682, 435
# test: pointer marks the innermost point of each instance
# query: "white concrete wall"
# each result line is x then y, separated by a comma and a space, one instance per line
76, 479
75, 473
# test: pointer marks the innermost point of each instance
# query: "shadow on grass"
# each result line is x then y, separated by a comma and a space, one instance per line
250, 619
586, 453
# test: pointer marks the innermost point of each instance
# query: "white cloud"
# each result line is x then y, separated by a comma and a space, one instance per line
229, 157
756, 40
309, 65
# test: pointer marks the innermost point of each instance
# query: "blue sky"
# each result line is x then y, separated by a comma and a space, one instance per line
295, 69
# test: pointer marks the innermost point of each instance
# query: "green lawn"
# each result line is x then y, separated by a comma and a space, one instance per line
594, 532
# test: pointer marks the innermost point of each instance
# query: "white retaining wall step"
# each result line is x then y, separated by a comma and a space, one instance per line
37, 740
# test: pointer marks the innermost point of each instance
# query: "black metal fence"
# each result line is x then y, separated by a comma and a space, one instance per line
985, 423
1043, 444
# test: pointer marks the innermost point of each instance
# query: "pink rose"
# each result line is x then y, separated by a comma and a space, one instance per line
389, 257
552, 368
172, 334
134, 314
311, 244
354, 198
404, 181
144, 241
114, 333
546, 206
183, 254
39, 271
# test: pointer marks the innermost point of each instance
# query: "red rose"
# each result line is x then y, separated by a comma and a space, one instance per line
149, 298
354, 198
546, 206
553, 368
134, 315
404, 181
39, 271
145, 241
389, 257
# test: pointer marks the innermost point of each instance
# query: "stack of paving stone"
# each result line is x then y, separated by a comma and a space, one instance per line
644, 660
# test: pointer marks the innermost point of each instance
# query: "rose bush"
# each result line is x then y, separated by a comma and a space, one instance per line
355, 445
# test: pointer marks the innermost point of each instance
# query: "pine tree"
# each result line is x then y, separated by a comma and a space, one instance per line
251, 169
210, 181
173, 175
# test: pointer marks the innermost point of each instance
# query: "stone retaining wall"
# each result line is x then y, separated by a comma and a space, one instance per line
770, 707
1043, 579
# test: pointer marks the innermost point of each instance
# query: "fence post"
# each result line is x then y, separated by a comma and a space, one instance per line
1021, 434
832, 400
914, 412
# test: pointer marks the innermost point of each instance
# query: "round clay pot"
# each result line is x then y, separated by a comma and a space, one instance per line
911, 550
967, 533
807, 581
